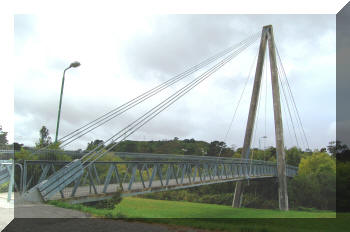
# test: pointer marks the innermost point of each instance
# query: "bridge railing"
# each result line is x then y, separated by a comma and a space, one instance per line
137, 176
135, 173
53, 154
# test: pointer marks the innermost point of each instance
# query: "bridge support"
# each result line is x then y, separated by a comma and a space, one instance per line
266, 36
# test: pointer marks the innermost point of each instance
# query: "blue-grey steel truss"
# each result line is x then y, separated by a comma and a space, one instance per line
138, 173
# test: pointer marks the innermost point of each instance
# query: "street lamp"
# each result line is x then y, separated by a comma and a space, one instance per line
264, 137
72, 65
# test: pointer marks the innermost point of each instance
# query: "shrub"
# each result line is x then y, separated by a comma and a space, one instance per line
4, 187
107, 204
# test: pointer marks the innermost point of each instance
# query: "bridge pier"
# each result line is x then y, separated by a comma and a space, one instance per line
266, 36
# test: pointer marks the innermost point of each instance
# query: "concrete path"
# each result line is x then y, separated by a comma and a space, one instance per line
42, 217
6, 210
39, 210
93, 225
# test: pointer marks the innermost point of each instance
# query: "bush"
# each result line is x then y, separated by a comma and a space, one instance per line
315, 184
4, 187
107, 204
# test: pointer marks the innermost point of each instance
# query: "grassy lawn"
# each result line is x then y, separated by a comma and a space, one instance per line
218, 217
148, 208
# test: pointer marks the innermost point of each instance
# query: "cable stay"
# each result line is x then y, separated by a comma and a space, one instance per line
78, 133
238, 102
135, 125
289, 94
125, 107
287, 104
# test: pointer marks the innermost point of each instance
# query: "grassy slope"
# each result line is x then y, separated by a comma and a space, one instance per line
141, 208
221, 217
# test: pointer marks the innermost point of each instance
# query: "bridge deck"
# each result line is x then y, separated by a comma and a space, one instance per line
87, 194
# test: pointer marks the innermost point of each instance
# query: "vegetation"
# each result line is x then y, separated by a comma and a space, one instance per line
3, 138
107, 204
44, 139
316, 178
217, 217
4, 187
133, 207
314, 187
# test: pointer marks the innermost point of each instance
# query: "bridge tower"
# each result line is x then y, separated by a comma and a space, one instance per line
266, 37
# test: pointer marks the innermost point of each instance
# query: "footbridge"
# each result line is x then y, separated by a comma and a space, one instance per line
89, 178
140, 173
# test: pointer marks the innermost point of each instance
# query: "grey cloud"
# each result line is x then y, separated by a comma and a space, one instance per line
177, 42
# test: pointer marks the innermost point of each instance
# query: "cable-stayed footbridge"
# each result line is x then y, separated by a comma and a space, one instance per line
89, 179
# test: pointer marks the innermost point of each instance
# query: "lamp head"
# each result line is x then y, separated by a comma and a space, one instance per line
74, 64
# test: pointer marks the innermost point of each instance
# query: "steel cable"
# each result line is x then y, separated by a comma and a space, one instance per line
132, 103
166, 103
72, 136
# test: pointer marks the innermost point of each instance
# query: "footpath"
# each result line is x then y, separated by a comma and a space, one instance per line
6, 210
42, 217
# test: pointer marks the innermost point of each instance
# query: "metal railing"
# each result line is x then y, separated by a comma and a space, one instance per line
140, 173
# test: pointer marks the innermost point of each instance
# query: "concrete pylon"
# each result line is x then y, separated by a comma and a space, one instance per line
266, 36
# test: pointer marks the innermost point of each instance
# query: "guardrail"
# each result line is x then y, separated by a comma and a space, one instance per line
7, 175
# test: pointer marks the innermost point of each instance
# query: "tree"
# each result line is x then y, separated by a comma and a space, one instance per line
293, 156
314, 186
3, 137
130, 146
93, 144
339, 150
343, 186
215, 147
17, 146
44, 139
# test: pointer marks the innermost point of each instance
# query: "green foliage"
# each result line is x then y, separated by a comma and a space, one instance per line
175, 146
17, 146
294, 155
44, 139
133, 207
93, 144
4, 187
56, 154
315, 184
107, 204
339, 151
343, 186
3, 138
185, 195
25, 154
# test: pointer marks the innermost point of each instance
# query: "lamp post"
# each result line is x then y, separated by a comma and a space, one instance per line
72, 65
264, 137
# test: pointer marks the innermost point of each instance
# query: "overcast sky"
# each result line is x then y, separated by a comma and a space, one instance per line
122, 57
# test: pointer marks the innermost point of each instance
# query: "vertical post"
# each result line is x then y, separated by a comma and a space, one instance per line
281, 165
12, 180
24, 178
59, 106
237, 199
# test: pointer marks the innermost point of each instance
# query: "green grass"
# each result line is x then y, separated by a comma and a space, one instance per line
148, 208
218, 217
